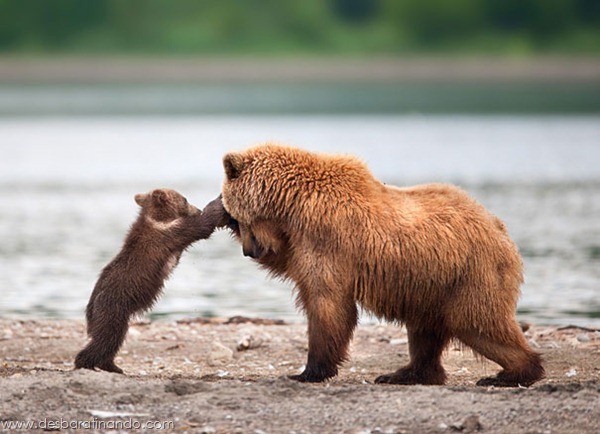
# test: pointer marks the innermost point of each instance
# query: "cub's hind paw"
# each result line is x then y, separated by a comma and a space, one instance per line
110, 367
82, 361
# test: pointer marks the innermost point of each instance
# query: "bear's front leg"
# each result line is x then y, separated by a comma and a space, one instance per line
331, 322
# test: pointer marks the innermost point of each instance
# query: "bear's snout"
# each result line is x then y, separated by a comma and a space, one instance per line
249, 252
254, 250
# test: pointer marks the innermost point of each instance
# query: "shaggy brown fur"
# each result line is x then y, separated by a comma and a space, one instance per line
131, 283
428, 256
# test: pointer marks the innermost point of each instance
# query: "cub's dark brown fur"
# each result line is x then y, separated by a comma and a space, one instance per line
130, 284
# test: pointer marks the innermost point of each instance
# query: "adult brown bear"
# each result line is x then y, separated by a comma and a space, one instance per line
429, 257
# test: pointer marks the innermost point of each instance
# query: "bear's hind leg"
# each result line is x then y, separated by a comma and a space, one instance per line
425, 367
521, 366
107, 331
91, 358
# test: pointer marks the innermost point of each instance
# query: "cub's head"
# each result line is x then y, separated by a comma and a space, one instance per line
164, 205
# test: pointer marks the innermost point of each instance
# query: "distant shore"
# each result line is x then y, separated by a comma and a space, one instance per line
122, 69
224, 376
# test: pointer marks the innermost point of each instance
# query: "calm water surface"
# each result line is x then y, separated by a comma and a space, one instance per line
67, 187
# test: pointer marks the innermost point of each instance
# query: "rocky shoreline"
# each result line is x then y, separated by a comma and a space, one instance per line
140, 69
225, 376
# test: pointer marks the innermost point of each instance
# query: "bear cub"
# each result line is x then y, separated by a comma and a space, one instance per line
131, 283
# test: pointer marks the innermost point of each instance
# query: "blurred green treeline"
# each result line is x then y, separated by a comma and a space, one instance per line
300, 27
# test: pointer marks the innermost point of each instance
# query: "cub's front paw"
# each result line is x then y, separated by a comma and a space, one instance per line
217, 213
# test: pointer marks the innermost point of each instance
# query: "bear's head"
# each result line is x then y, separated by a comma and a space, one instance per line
253, 194
164, 205
249, 176
275, 191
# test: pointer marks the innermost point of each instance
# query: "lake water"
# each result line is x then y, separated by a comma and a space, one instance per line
67, 187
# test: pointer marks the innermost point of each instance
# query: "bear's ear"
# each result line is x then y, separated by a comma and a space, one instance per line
233, 164
159, 197
139, 198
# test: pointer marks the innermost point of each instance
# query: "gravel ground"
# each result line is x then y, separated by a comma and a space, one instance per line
226, 376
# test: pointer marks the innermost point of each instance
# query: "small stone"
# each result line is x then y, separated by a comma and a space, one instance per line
248, 342
583, 337
398, 341
469, 425
472, 424
7, 333
571, 372
219, 354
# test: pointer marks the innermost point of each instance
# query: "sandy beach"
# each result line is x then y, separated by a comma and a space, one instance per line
221, 376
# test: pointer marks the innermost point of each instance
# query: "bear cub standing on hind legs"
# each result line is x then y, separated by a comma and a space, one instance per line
131, 283
427, 256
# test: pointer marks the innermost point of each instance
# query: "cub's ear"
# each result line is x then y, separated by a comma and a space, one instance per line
159, 197
140, 198
233, 164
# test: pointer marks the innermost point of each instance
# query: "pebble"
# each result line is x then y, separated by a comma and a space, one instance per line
470, 424
583, 337
249, 342
7, 333
219, 354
